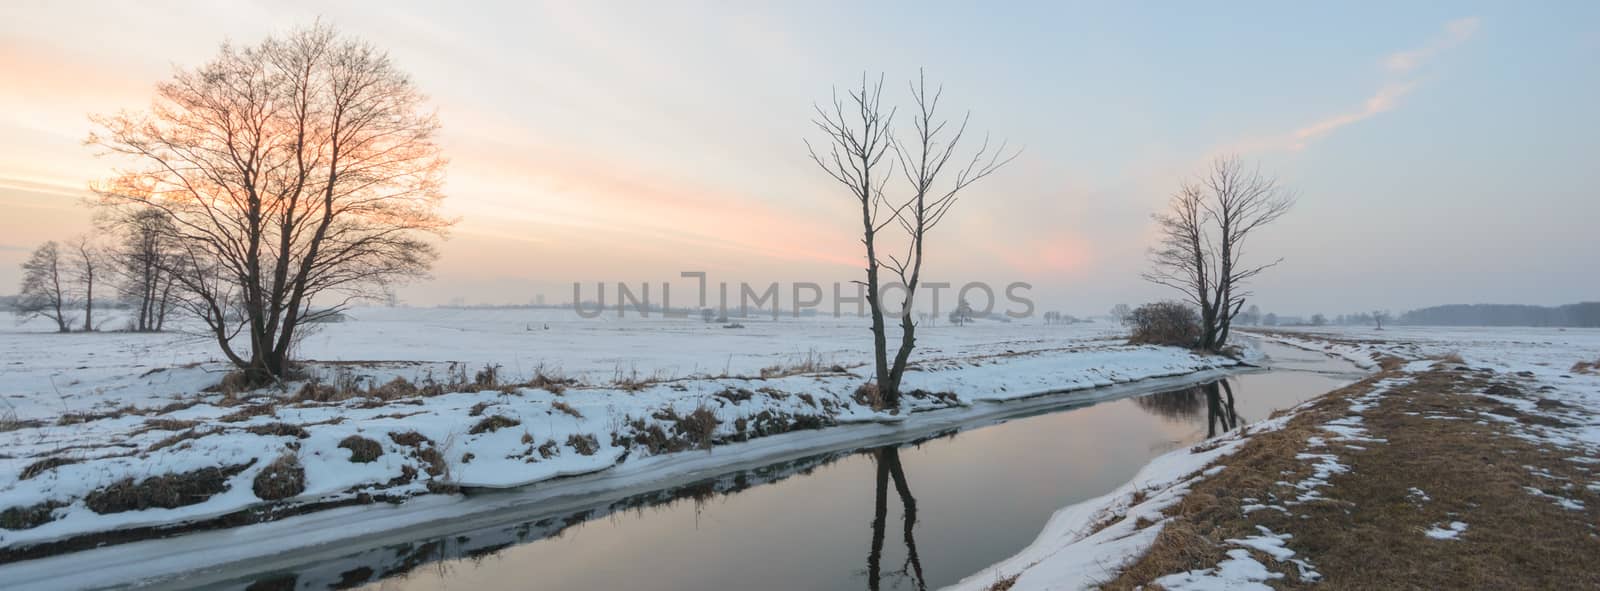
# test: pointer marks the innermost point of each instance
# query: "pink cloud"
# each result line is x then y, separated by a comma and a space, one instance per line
1455, 33
1385, 99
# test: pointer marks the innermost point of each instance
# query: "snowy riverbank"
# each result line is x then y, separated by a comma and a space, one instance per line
170, 455
1093, 542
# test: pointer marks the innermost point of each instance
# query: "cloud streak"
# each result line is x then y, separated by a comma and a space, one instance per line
1455, 33
1388, 96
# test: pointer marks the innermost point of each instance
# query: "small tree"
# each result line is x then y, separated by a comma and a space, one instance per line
1164, 323
1318, 320
962, 314
1120, 312
1379, 316
86, 262
1270, 319
1251, 316
860, 134
145, 262
44, 287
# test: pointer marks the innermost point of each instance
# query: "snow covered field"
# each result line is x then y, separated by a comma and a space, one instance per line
44, 374
1091, 542
115, 431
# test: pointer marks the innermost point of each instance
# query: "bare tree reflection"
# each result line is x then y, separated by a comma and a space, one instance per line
1219, 408
890, 469
1184, 405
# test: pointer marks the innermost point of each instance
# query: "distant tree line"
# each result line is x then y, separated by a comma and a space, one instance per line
1585, 314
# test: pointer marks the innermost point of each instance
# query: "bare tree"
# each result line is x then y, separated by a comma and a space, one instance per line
859, 136
44, 287
1120, 312
1203, 235
859, 142
86, 262
145, 262
298, 175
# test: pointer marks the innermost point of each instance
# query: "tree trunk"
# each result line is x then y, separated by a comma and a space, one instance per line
88, 302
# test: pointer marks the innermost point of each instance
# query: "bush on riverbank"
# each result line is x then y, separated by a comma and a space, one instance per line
1164, 323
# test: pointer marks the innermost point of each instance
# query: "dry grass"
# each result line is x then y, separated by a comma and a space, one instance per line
1369, 535
167, 491
552, 381
867, 395
550, 449
30, 516
493, 423
44, 465
362, 450
585, 445
249, 412
695, 430
1587, 367
279, 430
409, 438
564, 407
1003, 583
181, 437
631, 380
810, 363
160, 424
281, 479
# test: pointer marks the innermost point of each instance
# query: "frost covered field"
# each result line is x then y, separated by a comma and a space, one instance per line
1395, 476
126, 432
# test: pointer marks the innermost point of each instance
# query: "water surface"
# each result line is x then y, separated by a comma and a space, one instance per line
918, 515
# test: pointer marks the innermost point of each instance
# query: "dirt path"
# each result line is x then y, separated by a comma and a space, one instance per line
1419, 477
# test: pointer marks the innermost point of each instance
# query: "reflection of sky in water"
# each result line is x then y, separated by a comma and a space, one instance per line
981, 496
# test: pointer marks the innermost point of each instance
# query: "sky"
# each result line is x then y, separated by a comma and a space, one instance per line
1442, 152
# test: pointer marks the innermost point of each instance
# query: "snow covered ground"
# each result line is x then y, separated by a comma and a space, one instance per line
1090, 542
115, 431
44, 374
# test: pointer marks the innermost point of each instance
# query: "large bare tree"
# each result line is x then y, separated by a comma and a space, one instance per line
860, 135
1203, 235
45, 287
296, 176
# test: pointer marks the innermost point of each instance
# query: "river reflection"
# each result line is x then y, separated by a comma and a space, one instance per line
1215, 399
936, 509
890, 469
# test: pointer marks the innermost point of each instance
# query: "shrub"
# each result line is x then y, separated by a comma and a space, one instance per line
409, 438
493, 423
362, 450
29, 516
1164, 323
167, 491
585, 444
699, 426
281, 479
